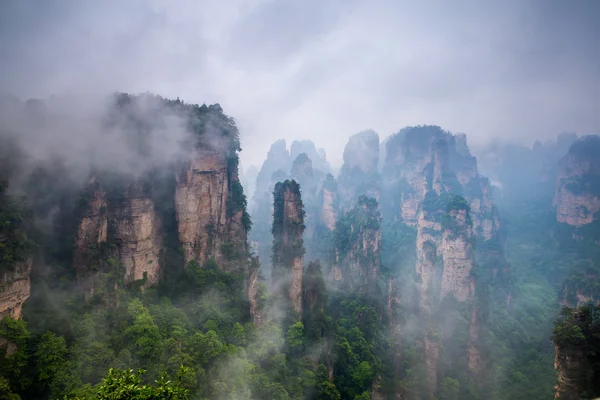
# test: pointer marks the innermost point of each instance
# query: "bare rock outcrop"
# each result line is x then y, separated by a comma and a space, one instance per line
577, 195
456, 249
209, 223
288, 246
254, 292
575, 338
15, 288
120, 224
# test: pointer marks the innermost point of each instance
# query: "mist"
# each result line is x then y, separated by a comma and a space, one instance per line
322, 71
90, 132
299, 199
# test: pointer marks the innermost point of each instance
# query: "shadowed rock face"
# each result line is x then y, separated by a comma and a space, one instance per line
254, 294
288, 247
201, 202
124, 223
430, 182
577, 196
127, 229
198, 197
15, 288
569, 364
575, 338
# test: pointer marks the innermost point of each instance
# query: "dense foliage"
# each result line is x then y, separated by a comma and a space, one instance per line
368, 323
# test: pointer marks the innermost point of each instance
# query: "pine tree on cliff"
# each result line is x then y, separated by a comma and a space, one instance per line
288, 247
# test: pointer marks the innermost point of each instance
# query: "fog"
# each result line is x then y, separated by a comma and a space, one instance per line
519, 70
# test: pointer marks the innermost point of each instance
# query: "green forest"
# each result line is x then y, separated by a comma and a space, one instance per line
216, 326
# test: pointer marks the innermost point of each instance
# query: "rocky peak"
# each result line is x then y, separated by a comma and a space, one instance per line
362, 152
302, 171
577, 195
317, 156
359, 174
288, 246
199, 197
278, 157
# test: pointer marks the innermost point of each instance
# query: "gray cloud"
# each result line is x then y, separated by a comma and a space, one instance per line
322, 70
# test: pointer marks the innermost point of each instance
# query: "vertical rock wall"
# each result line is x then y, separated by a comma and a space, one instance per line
288, 247
15, 288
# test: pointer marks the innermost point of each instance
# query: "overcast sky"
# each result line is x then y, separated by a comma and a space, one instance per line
322, 69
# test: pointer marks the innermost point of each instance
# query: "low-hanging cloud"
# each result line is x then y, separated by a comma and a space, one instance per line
519, 70
94, 133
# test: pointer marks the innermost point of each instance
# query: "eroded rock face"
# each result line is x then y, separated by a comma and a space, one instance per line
569, 363
139, 233
430, 181
15, 288
253, 284
577, 196
125, 228
200, 203
121, 221
445, 259
457, 252
288, 247
423, 159
328, 208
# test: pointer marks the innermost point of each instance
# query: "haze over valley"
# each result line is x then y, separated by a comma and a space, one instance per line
299, 200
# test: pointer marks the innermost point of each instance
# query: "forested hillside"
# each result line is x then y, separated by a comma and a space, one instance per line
132, 266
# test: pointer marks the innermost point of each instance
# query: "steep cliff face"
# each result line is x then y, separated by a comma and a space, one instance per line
570, 364
359, 175
15, 257
119, 224
423, 159
255, 292
577, 196
318, 156
274, 169
431, 186
288, 247
358, 247
278, 158
199, 198
523, 173
576, 338
15, 288
209, 223
329, 203
456, 249
445, 261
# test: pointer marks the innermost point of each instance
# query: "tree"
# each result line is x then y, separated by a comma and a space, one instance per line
54, 367
128, 385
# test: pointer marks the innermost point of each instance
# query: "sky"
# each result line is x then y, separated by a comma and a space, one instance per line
322, 69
